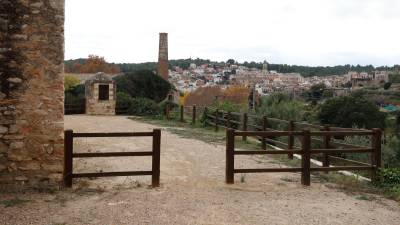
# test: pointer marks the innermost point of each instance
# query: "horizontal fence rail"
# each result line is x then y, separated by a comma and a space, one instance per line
306, 151
69, 155
329, 139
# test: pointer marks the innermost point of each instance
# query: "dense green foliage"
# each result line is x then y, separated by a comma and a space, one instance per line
394, 78
387, 85
124, 100
227, 106
129, 67
391, 152
75, 95
349, 111
143, 84
281, 106
70, 82
390, 178
143, 107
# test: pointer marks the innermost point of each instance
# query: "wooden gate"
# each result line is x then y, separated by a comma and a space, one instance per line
305, 151
69, 155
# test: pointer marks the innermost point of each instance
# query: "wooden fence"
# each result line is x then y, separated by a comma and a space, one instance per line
185, 113
248, 122
69, 155
305, 150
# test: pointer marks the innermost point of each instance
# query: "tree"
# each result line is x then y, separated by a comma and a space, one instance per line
349, 111
387, 85
230, 61
70, 81
92, 64
143, 83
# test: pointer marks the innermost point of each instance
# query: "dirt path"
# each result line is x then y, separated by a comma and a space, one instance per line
192, 189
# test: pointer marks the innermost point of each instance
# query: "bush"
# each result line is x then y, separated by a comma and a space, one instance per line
391, 152
143, 84
75, 95
228, 106
349, 111
390, 177
387, 85
70, 81
144, 107
281, 106
123, 100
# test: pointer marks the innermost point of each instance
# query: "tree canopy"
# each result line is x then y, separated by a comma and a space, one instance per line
349, 111
143, 83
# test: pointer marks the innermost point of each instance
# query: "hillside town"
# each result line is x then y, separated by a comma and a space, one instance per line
268, 81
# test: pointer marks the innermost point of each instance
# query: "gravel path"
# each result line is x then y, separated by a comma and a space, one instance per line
192, 188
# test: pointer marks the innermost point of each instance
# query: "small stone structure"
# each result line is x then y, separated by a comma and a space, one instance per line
100, 92
31, 92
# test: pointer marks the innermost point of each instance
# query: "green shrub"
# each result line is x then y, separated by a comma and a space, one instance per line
349, 111
228, 106
143, 84
281, 106
144, 107
70, 81
390, 177
123, 100
387, 85
75, 95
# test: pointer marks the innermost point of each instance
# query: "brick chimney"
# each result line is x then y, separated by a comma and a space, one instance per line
162, 67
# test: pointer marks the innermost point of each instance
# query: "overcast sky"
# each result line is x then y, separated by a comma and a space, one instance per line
302, 32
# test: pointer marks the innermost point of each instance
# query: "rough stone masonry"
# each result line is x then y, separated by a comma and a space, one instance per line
31, 91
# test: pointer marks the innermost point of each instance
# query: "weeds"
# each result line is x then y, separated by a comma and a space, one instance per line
13, 202
243, 178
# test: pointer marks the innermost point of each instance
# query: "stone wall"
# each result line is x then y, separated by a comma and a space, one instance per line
31, 91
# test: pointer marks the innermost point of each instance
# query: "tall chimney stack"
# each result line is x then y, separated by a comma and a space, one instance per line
162, 67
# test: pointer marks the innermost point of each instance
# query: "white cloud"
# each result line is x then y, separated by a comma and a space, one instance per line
311, 32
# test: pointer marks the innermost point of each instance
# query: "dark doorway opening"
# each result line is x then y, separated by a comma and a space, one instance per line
104, 92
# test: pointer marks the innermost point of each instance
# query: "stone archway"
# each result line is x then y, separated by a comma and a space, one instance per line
32, 91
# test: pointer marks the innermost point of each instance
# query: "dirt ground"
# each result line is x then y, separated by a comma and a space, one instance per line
192, 188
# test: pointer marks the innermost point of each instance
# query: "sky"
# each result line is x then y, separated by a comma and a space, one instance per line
301, 32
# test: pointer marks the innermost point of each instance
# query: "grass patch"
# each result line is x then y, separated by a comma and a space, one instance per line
13, 202
365, 197
243, 178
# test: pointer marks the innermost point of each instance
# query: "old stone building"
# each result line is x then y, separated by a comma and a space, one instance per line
100, 93
31, 91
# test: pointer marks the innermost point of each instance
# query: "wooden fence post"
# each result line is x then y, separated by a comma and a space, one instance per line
376, 159
305, 158
228, 120
68, 150
155, 165
327, 139
194, 115
290, 139
230, 157
264, 128
216, 120
244, 138
182, 111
